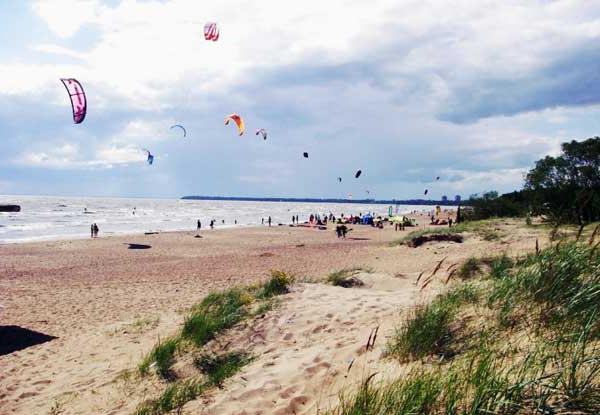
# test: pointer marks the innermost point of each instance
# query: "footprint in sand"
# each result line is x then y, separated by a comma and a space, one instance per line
286, 393
319, 328
312, 370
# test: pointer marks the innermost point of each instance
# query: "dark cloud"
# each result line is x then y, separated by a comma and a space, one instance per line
570, 79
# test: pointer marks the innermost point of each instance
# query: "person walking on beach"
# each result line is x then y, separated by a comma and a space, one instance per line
269, 221
293, 220
96, 230
199, 225
212, 224
92, 230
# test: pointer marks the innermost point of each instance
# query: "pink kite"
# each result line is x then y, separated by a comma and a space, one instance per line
211, 32
78, 100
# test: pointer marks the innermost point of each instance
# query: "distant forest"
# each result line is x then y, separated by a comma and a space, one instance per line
425, 202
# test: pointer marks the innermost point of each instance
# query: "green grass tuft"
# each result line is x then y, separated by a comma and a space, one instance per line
162, 357
217, 368
278, 284
173, 398
427, 329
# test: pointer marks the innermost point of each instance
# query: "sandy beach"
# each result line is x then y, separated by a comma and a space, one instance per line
106, 304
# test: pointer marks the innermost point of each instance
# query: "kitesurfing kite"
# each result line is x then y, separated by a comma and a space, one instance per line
339, 179
437, 178
182, 128
263, 132
368, 192
150, 158
358, 173
78, 99
305, 154
211, 31
426, 191
238, 121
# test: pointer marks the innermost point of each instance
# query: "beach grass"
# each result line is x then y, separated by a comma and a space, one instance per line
217, 368
161, 357
173, 397
427, 329
217, 312
340, 277
547, 361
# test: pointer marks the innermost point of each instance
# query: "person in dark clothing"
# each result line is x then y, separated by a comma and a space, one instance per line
293, 220
262, 221
199, 225
92, 230
297, 219
96, 230
212, 224
269, 221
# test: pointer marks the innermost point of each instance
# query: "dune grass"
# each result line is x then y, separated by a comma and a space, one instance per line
547, 362
427, 328
217, 312
173, 397
217, 368
162, 357
340, 277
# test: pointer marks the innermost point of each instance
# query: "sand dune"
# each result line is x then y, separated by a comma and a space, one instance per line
107, 305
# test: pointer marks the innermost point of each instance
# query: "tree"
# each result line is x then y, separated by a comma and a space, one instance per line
444, 198
567, 188
457, 198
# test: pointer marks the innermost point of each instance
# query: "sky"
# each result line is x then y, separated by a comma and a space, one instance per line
405, 90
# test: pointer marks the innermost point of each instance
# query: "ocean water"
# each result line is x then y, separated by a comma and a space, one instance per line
50, 218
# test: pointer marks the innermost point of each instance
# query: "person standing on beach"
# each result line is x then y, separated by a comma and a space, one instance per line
212, 224
199, 225
262, 221
293, 220
96, 230
269, 221
92, 230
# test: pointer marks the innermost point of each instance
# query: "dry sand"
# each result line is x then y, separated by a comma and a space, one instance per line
107, 304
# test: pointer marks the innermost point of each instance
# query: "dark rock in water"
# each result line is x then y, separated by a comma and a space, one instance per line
10, 208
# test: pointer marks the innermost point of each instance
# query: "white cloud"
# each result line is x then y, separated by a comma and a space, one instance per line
65, 17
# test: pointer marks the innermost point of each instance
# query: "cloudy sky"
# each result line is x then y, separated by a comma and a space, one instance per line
472, 91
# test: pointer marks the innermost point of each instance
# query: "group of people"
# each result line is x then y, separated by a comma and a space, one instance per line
94, 230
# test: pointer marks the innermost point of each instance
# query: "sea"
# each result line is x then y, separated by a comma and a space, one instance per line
45, 218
